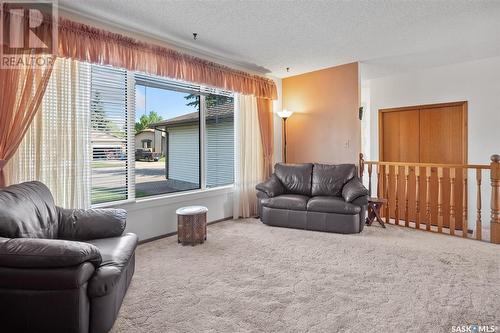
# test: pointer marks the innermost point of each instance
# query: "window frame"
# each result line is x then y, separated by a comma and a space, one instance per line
134, 78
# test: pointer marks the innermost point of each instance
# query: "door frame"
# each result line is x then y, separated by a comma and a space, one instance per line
465, 111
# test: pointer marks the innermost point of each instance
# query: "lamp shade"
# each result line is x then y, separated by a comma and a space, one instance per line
284, 113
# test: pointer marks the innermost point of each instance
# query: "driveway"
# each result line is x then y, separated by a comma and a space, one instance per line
149, 178
149, 171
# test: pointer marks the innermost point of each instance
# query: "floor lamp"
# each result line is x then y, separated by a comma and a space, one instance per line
284, 114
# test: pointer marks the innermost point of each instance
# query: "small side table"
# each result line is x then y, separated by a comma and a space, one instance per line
192, 225
374, 207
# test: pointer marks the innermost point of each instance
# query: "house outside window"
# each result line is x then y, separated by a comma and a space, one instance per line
186, 131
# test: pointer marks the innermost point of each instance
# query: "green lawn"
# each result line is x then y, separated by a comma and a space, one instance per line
140, 194
101, 195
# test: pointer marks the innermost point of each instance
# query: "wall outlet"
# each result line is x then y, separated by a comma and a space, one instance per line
347, 144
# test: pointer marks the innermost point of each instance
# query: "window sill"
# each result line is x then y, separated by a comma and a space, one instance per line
171, 198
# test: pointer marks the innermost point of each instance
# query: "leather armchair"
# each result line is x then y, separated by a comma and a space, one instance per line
318, 197
61, 270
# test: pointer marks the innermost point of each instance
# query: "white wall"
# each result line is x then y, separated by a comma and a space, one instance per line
156, 216
477, 82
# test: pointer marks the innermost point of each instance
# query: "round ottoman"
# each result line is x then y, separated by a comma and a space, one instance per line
191, 225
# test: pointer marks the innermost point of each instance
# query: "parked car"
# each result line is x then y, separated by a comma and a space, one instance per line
146, 154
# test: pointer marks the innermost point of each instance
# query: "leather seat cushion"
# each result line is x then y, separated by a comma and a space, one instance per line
116, 253
287, 201
332, 205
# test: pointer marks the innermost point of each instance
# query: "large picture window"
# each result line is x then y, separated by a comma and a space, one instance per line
181, 136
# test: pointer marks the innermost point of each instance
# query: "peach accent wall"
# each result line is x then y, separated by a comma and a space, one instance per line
325, 126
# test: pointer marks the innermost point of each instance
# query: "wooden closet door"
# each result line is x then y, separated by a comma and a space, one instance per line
442, 141
424, 134
400, 135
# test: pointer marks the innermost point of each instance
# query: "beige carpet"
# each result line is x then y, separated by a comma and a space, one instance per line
249, 277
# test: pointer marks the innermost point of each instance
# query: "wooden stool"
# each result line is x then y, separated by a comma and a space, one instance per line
374, 207
192, 225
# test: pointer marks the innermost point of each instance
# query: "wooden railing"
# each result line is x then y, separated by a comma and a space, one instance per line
434, 197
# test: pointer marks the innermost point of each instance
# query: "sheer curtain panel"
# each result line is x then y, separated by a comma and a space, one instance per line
249, 157
56, 147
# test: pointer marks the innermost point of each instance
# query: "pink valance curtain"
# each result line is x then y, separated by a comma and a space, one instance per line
20, 96
85, 43
23, 90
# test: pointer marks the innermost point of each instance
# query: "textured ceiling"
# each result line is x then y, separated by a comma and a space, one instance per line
310, 35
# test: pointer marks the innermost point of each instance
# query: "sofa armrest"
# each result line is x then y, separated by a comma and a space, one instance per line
42, 279
85, 224
272, 187
353, 189
46, 253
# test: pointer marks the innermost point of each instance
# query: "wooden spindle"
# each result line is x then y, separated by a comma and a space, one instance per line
407, 211
440, 199
370, 179
495, 199
465, 224
478, 205
428, 198
417, 197
379, 181
396, 194
452, 201
387, 169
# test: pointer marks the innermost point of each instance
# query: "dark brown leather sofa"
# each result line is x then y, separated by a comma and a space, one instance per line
61, 270
317, 197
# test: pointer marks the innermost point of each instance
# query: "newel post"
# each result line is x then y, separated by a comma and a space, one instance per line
495, 199
361, 166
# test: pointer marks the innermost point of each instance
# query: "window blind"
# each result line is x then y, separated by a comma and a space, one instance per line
219, 142
109, 134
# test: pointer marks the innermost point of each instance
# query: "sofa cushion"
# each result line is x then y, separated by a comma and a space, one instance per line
332, 205
287, 201
296, 178
85, 224
328, 180
116, 253
27, 210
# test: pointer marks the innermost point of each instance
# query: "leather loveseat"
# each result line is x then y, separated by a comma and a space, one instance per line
314, 197
61, 270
